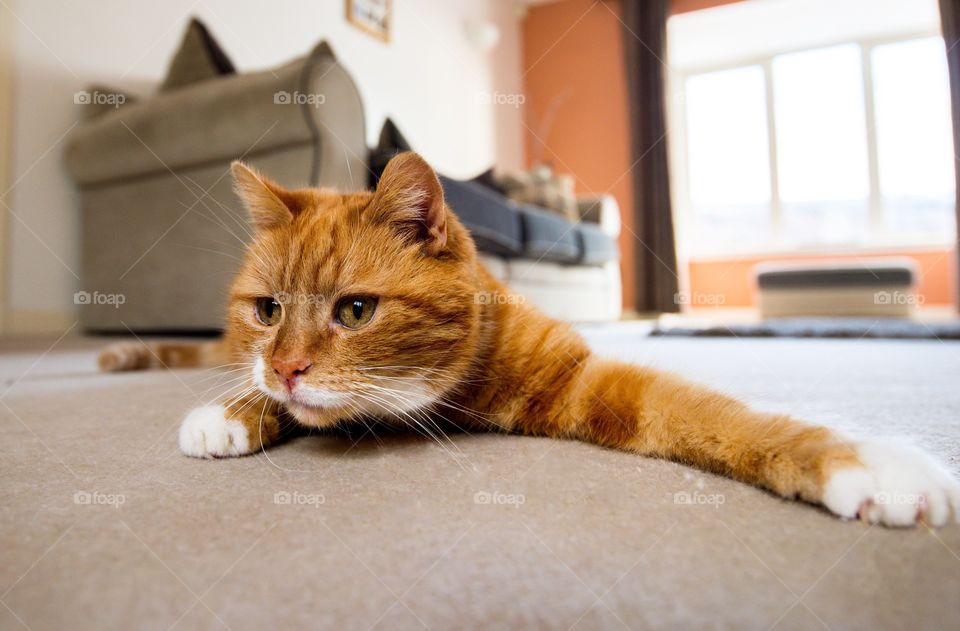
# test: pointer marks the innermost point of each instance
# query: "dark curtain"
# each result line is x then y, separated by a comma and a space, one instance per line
645, 41
950, 17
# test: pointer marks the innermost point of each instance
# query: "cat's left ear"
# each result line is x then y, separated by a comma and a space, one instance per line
410, 197
269, 204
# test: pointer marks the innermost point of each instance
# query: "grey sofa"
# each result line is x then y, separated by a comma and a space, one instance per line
161, 225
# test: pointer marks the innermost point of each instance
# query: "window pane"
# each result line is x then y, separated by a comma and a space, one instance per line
821, 145
728, 156
914, 136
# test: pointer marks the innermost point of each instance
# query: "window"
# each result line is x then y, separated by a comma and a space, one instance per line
729, 157
821, 145
914, 143
842, 144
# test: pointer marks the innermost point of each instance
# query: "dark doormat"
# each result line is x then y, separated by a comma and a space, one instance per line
891, 328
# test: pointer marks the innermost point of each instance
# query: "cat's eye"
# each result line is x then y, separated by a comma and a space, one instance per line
268, 311
356, 311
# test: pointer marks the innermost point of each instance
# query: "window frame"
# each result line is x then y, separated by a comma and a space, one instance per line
877, 239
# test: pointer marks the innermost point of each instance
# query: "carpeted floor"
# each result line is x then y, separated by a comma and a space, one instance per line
105, 526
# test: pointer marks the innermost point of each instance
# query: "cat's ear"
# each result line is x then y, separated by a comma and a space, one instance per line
269, 204
410, 197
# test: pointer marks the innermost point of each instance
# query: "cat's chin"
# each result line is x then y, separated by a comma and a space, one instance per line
314, 416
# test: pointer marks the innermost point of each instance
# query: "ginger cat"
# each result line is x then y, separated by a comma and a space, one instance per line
365, 304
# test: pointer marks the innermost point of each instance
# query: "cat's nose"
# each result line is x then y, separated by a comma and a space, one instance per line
290, 369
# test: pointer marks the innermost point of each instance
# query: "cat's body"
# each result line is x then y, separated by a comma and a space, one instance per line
375, 304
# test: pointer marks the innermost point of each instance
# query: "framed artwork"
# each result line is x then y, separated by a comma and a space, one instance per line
371, 16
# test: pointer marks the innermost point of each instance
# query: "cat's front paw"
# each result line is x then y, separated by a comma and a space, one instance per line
899, 485
208, 433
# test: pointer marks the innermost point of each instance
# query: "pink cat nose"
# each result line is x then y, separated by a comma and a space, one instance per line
290, 369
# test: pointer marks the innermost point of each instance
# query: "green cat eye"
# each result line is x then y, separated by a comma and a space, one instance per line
268, 311
356, 311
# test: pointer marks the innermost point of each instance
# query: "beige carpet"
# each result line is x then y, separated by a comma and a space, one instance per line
104, 525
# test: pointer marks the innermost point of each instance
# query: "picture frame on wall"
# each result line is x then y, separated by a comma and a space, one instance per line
373, 17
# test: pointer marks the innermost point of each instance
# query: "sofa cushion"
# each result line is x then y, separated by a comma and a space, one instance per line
217, 121
198, 58
596, 246
548, 237
493, 222
390, 143
893, 271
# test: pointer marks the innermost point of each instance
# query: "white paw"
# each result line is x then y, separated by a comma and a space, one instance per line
899, 485
208, 433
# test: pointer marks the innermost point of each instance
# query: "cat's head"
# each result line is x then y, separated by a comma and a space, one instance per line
359, 303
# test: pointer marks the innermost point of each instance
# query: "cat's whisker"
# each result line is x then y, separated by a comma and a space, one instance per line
249, 404
236, 398
433, 372
387, 405
242, 224
214, 220
446, 402
226, 379
420, 422
224, 374
229, 389
228, 213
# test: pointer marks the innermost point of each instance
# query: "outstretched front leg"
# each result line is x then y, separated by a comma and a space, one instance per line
657, 414
237, 428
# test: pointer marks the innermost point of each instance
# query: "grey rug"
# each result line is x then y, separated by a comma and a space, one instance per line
890, 328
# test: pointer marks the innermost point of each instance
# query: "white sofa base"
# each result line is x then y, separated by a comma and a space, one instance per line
575, 293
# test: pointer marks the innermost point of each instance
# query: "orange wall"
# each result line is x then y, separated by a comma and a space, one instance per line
733, 278
576, 109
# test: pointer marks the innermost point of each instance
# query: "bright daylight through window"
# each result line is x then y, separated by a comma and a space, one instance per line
846, 143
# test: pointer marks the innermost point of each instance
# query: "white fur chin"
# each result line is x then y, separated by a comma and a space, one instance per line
208, 433
897, 486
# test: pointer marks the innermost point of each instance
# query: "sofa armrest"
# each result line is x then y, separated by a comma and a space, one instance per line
602, 210
212, 121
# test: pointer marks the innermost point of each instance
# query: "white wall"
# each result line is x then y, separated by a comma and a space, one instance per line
430, 78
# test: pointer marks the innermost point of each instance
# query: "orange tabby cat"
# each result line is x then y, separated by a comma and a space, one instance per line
366, 304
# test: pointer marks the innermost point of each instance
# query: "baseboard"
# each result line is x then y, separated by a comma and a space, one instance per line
40, 321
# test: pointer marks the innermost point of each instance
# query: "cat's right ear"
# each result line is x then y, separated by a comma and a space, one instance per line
269, 204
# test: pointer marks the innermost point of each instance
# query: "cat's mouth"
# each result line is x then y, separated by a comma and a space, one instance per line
319, 399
